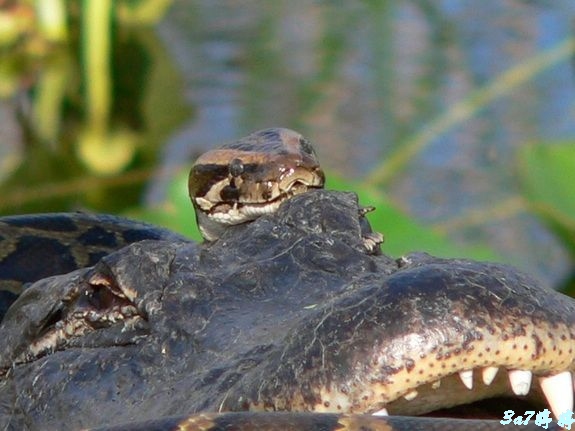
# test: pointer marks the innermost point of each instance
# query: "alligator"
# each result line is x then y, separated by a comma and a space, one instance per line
285, 323
294, 322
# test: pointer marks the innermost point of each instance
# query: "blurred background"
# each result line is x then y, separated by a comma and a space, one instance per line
456, 119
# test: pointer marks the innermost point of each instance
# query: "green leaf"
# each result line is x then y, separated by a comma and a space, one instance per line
403, 234
548, 175
176, 212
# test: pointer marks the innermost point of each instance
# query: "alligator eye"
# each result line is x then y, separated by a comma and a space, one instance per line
101, 298
306, 147
236, 168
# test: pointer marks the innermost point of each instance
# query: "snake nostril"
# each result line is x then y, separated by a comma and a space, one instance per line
230, 194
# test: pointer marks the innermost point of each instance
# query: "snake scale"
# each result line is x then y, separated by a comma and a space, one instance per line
229, 186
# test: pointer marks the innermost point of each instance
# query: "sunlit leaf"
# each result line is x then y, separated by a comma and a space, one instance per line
548, 175
176, 213
402, 233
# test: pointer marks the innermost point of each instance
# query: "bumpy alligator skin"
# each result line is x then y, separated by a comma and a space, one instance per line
287, 313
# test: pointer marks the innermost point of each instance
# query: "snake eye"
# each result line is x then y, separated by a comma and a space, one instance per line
306, 147
236, 168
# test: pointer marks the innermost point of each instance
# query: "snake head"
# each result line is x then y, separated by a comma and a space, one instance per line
251, 177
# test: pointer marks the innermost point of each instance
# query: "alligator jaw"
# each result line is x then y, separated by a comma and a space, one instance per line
431, 337
554, 391
458, 389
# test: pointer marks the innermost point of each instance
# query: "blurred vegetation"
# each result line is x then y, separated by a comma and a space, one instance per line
34, 26
404, 232
99, 95
102, 95
548, 175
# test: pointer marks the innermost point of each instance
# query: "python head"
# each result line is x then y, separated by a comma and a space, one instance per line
251, 177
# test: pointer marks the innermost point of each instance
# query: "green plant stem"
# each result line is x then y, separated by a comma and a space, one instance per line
96, 24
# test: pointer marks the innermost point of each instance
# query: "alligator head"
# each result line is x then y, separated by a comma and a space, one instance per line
288, 313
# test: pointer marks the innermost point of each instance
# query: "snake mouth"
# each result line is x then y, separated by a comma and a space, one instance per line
256, 199
234, 201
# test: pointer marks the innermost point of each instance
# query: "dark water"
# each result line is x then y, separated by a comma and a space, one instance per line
363, 80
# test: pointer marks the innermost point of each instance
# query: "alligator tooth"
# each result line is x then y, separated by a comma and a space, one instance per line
436, 384
410, 395
520, 381
382, 412
489, 374
467, 378
69, 329
558, 390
